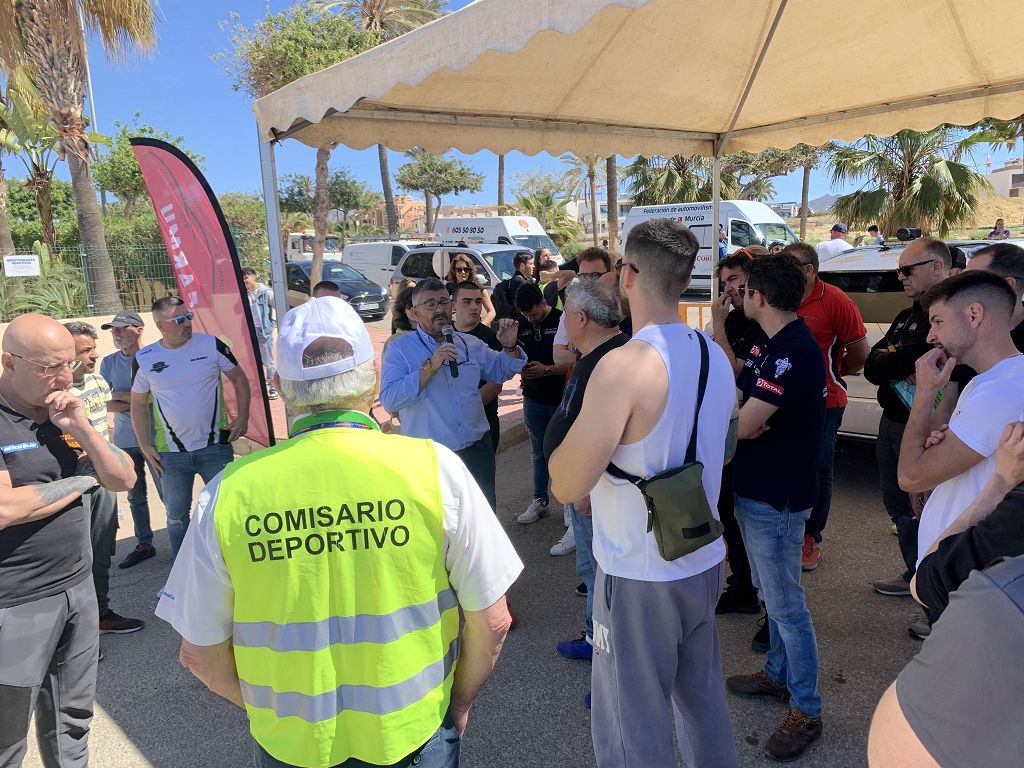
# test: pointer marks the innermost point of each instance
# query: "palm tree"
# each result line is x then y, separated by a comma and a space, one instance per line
47, 35
677, 179
6, 241
913, 179
612, 176
581, 180
501, 184
387, 19
552, 215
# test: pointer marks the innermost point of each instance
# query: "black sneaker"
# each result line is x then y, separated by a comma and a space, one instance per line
136, 556
112, 623
734, 601
581, 589
762, 641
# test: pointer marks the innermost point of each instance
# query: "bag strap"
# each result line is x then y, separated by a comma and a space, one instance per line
691, 449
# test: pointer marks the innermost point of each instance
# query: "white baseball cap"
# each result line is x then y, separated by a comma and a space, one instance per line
325, 317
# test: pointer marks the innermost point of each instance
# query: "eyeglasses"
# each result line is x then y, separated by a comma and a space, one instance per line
743, 290
49, 371
433, 304
620, 264
909, 269
182, 319
590, 275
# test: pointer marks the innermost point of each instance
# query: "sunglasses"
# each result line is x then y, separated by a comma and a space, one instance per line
463, 269
908, 270
49, 371
584, 276
619, 264
182, 319
743, 290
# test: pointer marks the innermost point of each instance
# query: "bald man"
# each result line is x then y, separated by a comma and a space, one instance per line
48, 615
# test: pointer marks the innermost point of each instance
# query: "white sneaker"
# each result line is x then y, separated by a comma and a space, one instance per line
537, 509
565, 545
566, 517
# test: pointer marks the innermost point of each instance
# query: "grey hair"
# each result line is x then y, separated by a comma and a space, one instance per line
78, 328
596, 300
351, 389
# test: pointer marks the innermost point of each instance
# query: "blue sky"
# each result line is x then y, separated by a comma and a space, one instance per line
182, 90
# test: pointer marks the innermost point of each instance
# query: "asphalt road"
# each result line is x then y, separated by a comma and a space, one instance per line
151, 712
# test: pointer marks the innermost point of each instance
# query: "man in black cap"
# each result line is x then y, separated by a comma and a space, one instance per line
116, 369
836, 245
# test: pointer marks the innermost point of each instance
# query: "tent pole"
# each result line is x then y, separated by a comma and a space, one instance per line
716, 201
268, 172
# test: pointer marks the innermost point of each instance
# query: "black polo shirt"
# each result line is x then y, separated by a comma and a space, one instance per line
781, 466
893, 360
742, 333
490, 338
538, 341
43, 557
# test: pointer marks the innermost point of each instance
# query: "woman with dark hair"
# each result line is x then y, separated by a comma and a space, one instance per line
401, 321
461, 270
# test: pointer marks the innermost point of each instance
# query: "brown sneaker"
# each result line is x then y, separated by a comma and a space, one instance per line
757, 684
797, 732
810, 553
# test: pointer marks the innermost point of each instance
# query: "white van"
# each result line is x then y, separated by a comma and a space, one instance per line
377, 260
300, 247
745, 221
524, 231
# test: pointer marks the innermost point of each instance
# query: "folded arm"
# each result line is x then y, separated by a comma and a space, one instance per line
34, 502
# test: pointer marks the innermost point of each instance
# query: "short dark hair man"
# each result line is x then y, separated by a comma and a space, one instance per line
48, 658
873, 238
504, 296
890, 366
417, 379
970, 323
261, 306
543, 384
842, 337
1007, 261
326, 288
468, 298
656, 644
775, 478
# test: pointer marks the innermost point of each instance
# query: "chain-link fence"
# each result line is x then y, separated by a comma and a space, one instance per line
142, 274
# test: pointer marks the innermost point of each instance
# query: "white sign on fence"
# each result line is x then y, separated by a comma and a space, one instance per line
22, 265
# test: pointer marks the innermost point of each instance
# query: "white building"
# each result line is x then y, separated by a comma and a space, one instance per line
1008, 181
786, 210
581, 210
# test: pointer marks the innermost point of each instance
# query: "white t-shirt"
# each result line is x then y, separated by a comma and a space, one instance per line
185, 385
622, 545
989, 402
561, 335
829, 248
481, 561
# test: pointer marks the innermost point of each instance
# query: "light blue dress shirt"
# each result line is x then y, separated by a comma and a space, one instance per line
448, 410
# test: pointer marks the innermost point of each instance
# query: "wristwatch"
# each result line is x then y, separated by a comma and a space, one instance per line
427, 367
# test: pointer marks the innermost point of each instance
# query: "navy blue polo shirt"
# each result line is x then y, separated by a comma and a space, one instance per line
781, 466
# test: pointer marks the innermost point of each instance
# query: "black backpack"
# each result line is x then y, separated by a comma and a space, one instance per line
502, 299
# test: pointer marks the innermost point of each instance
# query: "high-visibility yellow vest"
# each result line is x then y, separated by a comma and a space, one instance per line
345, 625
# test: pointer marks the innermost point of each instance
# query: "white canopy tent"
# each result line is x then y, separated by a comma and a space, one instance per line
655, 77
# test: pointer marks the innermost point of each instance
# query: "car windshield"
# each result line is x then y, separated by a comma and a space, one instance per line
536, 242
500, 262
335, 270
775, 232
330, 244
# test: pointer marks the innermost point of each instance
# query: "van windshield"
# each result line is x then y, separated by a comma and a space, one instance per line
500, 262
536, 242
331, 243
775, 232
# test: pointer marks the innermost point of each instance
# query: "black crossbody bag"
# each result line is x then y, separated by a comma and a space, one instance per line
678, 512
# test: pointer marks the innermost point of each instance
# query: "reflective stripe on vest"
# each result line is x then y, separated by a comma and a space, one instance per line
345, 625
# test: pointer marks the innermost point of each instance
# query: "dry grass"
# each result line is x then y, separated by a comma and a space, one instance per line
991, 208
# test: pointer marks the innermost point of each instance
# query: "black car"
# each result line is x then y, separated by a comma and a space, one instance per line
368, 299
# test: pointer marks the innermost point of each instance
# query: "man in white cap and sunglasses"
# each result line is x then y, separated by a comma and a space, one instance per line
178, 412
320, 583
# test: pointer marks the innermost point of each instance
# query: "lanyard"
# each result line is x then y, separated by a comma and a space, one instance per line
329, 419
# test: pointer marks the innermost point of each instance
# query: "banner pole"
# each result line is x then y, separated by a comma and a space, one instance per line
275, 242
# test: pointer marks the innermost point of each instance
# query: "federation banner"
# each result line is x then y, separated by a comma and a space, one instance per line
206, 267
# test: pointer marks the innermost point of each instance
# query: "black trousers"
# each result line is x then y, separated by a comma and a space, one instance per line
739, 580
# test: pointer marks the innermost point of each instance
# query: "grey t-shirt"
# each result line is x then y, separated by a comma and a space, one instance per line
117, 370
964, 692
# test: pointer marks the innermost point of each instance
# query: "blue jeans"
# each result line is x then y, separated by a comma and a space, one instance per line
441, 751
138, 497
180, 470
819, 514
537, 417
586, 566
479, 460
774, 539
266, 346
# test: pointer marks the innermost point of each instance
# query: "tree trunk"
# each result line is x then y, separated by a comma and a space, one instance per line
129, 207
43, 190
344, 230
501, 185
428, 212
105, 298
321, 207
613, 203
593, 205
389, 195
804, 191
437, 208
6, 241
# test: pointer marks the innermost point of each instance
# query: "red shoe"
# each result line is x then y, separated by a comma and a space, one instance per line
810, 554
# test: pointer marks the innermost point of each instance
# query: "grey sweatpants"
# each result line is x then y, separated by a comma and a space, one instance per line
48, 654
101, 507
656, 654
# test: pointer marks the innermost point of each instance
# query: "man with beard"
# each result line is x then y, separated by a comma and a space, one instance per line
434, 382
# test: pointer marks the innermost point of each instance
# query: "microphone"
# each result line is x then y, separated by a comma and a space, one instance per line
449, 336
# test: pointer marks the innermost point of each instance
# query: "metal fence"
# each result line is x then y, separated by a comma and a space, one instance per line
142, 273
